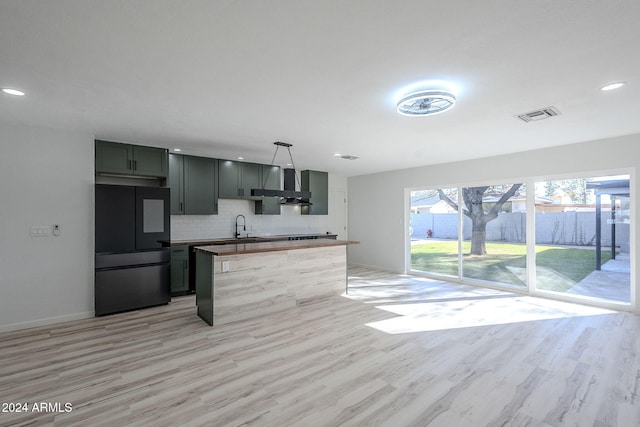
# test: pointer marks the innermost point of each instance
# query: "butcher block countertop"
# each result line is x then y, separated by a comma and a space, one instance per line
251, 248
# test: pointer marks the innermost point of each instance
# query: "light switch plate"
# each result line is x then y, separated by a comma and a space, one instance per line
225, 266
39, 231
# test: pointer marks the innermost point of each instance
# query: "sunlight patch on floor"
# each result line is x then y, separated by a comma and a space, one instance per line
435, 316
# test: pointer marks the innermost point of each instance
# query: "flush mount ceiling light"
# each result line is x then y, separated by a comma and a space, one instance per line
345, 156
14, 92
426, 102
612, 86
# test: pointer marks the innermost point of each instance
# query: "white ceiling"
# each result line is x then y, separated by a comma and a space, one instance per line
226, 78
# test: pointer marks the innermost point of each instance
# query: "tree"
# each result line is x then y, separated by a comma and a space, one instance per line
472, 197
550, 188
576, 189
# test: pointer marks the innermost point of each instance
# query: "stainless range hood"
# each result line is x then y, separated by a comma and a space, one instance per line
288, 196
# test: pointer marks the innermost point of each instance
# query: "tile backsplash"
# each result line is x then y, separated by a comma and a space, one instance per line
185, 227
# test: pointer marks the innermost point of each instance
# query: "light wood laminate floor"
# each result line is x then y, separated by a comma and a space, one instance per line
397, 351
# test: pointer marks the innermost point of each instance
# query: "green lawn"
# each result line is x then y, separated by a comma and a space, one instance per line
505, 262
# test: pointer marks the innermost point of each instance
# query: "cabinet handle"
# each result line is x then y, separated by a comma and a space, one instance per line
135, 164
129, 164
180, 206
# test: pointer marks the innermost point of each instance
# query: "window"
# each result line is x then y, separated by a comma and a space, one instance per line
478, 235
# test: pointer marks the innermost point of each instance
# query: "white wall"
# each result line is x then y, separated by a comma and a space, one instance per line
377, 202
46, 178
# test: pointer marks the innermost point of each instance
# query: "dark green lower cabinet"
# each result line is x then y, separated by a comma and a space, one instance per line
179, 270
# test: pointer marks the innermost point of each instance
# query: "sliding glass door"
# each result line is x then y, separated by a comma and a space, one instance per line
478, 234
583, 237
492, 220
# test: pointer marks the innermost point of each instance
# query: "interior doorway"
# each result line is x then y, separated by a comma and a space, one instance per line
338, 212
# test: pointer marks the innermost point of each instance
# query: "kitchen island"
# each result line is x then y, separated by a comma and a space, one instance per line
246, 280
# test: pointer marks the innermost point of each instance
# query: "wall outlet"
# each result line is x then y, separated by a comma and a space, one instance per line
55, 229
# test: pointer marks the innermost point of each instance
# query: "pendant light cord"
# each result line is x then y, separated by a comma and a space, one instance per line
265, 178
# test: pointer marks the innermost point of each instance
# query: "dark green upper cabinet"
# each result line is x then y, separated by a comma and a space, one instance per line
200, 185
228, 179
112, 157
271, 179
236, 179
134, 160
251, 178
150, 161
317, 183
194, 185
176, 183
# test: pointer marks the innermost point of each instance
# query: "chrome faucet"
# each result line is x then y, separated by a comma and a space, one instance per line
244, 225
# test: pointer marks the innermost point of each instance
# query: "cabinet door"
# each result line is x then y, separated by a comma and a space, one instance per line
112, 157
200, 185
176, 183
272, 181
229, 179
179, 269
317, 183
150, 161
251, 177
271, 177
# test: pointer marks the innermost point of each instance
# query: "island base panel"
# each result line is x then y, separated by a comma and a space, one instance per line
258, 284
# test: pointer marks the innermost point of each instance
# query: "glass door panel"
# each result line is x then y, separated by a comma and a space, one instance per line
434, 231
583, 237
494, 234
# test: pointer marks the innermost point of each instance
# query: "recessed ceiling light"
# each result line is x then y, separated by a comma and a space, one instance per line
337, 154
177, 150
14, 92
240, 158
426, 102
612, 86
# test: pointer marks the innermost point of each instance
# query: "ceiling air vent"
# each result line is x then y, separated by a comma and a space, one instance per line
541, 114
349, 157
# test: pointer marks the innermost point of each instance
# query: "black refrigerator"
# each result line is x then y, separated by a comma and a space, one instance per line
132, 269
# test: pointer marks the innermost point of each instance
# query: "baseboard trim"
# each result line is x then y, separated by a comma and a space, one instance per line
46, 321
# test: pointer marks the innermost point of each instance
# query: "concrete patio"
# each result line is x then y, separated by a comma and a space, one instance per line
612, 282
